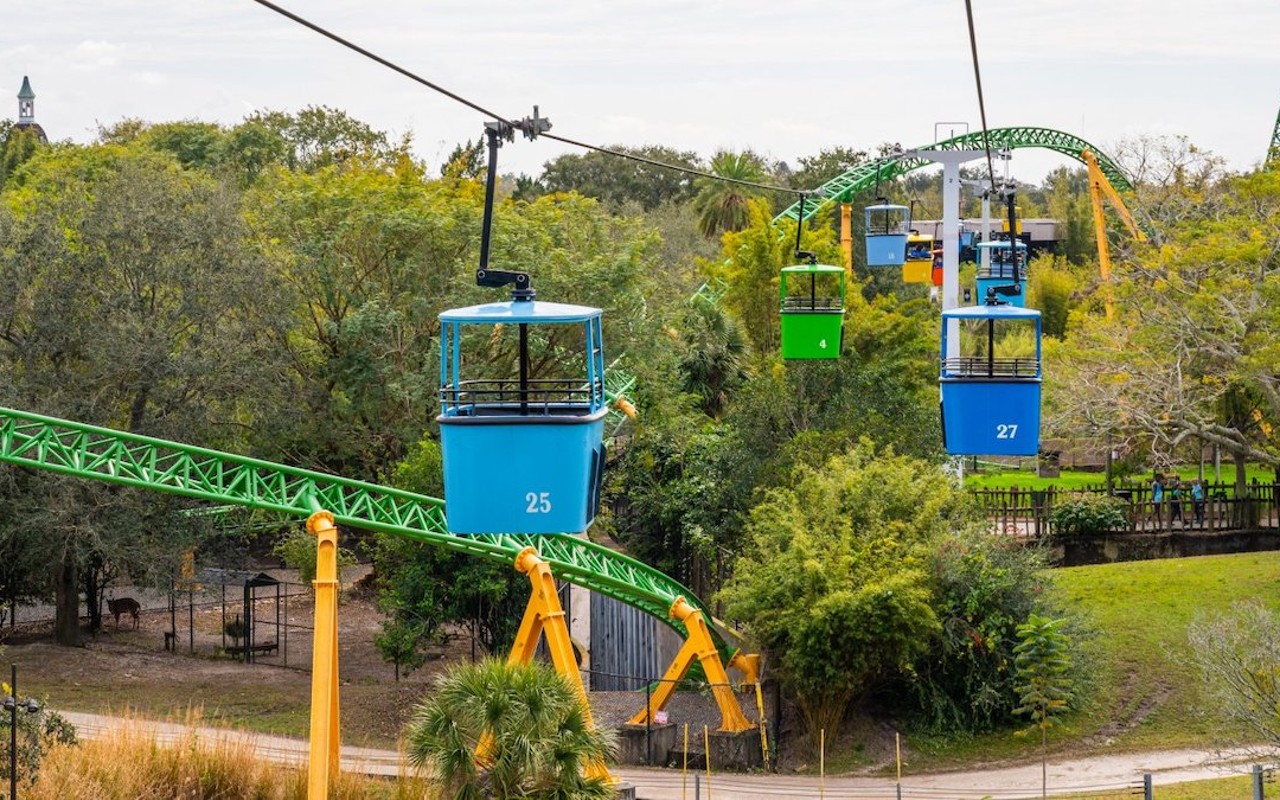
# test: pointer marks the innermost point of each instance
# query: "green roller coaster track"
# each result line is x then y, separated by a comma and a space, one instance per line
1273, 152
843, 188
88, 451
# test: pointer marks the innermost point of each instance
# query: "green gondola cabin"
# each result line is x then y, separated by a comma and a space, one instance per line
812, 311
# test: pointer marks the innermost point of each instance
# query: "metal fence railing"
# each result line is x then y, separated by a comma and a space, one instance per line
1029, 512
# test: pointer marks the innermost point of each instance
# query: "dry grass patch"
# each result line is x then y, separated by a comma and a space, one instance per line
130, 763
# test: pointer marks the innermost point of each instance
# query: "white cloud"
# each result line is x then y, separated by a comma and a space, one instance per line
786, 79
95, 54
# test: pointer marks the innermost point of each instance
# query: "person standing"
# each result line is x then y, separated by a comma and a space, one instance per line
1197, 501
1175, 503
1157, 498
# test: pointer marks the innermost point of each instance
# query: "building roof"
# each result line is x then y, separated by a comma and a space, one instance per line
25, 92
33, 127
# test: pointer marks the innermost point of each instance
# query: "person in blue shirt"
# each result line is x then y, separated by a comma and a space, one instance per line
1197, 501
1175, 502
1157, 499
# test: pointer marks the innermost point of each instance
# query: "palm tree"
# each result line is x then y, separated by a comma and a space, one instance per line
536, 735
714, 362
722, 206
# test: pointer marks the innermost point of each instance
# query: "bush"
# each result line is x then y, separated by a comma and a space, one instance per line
38, 732
1088, 513
984, 588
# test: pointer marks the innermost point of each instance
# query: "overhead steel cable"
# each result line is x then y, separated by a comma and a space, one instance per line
477, 107
982, 105
687, 170
284, 12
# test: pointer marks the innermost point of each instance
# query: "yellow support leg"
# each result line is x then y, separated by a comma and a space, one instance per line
846, 236
326, 740
699, 645
545, 615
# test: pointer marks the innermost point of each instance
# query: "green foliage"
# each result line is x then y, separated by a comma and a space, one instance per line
831, 162
617, 181
400, 643
722, 206
17, 146
1237, 660
753, 255
1043, 680
1049, 289
131, 300
37, 732
1088, 513
297, 549
427, 590
1043, 666
834, 583
1196, 321
530, 726
713, 358
466, 161
318, 137
984, 587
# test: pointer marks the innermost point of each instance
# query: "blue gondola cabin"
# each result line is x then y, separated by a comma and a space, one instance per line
887, 227
522, 454
999, 271
990, 398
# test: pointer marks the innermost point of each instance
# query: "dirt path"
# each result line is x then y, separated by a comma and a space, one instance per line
1065, 776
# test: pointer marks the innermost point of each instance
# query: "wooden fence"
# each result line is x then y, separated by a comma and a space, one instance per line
1028, 512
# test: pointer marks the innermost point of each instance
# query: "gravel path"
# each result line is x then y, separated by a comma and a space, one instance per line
1065, 776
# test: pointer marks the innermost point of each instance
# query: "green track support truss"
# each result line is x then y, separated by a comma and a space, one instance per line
843, 188
87, 451
1273, 152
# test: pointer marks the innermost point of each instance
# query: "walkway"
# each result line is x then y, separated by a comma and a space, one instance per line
1098, 773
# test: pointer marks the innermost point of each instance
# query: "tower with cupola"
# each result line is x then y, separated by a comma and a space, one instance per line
27, 111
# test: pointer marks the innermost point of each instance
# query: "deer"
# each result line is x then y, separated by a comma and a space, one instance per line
125, 605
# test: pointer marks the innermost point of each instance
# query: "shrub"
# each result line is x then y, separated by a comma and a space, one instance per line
1088, 513
38, 732
984, 588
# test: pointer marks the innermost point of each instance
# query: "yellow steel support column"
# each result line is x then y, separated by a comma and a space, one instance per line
846, 236
325, 737
699, 645
1100, 236
545, 615
1098, 186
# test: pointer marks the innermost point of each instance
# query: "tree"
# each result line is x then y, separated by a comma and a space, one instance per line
1190, 355
466, 160
1237, 656
984, 587
130, 299
1043, 681
831, 162
833, 583
722, 205
400, 643
714, 357
426, 590
529, 725
318, 136
752, 256
617, 181
1049, 288
17, 146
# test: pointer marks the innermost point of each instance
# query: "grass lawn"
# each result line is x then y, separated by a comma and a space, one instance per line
1079, 479
1240, 786
1145, 696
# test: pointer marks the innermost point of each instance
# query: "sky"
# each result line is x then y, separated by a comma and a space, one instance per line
786, 79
